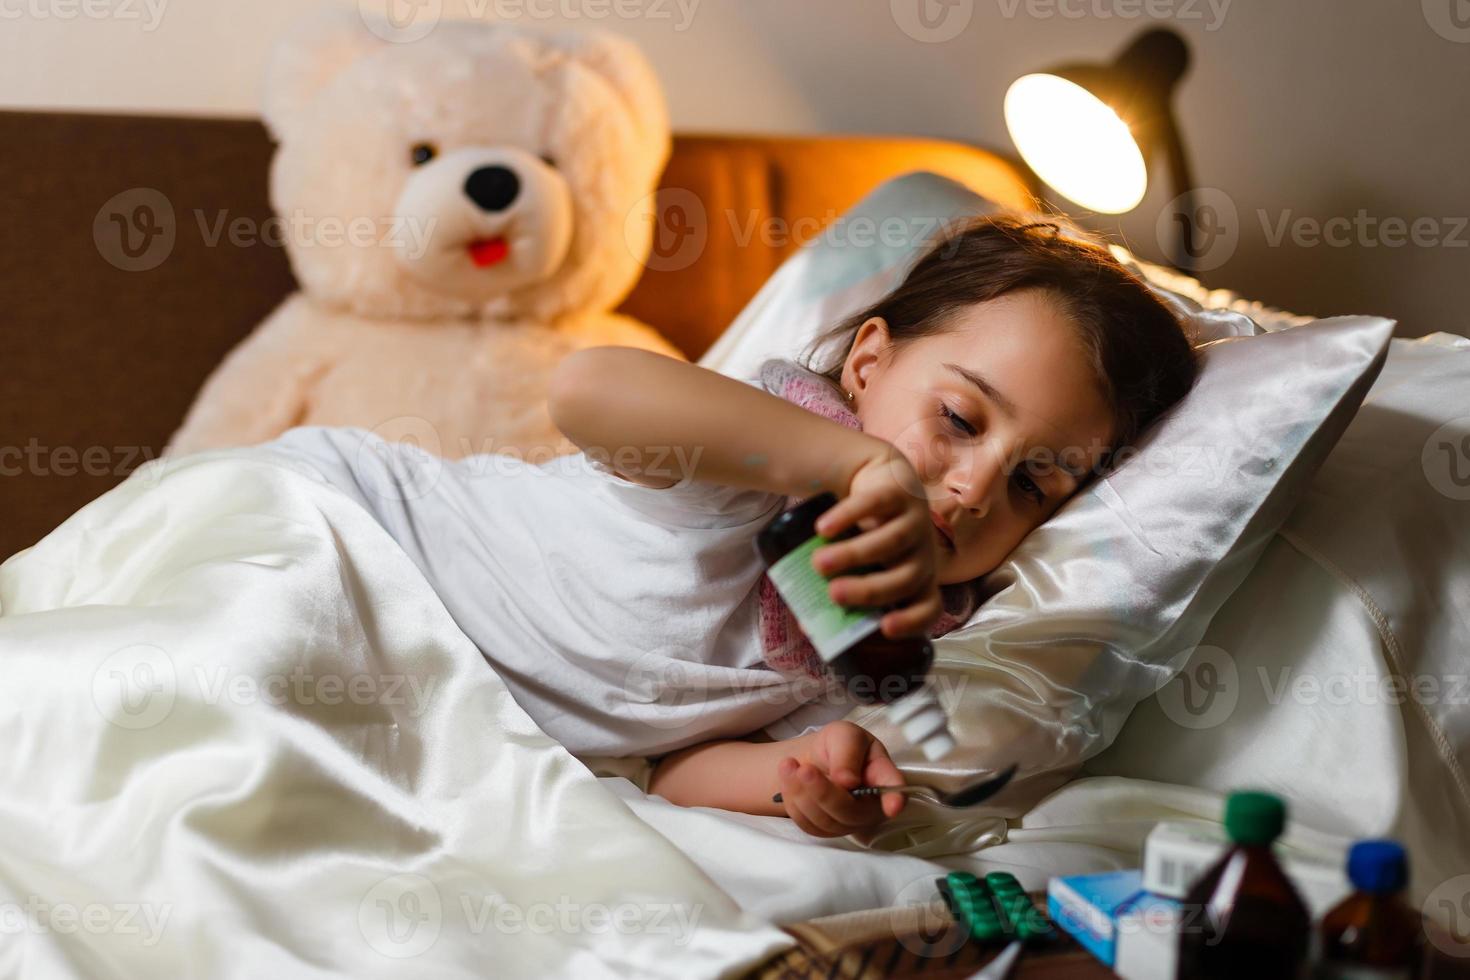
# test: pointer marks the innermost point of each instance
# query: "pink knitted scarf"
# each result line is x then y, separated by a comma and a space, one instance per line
786, 648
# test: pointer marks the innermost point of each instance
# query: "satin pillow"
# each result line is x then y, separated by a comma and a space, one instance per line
1099, 607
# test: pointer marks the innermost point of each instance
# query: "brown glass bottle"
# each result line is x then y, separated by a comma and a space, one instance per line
1243, 918
873, 667
1373, 934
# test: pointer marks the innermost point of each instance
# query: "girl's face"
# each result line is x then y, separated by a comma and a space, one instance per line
1000, 415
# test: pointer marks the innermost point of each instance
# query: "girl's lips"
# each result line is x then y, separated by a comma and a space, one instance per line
946, 536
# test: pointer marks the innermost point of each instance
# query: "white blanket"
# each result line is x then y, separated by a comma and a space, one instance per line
243, 738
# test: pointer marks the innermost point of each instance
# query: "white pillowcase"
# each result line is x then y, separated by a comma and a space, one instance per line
1100, 606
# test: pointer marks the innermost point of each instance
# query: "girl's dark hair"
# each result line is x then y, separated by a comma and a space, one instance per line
1143, 359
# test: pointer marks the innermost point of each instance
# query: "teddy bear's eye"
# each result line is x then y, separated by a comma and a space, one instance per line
423, 153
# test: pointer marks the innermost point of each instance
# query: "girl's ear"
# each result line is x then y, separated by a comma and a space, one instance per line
869, 341
318, 49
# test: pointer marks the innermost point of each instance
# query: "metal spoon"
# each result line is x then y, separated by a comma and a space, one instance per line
967, 797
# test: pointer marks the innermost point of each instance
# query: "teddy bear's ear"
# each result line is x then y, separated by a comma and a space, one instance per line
318, 49
623, 64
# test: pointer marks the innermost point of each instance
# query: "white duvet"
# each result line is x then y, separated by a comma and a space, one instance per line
243, 738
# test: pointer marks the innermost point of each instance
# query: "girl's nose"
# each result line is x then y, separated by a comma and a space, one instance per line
974, 481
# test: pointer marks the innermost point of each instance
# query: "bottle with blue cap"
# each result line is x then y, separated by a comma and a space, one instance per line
1373, 933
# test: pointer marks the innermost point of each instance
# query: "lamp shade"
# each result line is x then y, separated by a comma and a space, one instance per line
1089, 130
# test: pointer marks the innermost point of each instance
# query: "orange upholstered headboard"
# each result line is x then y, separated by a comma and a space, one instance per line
732, 208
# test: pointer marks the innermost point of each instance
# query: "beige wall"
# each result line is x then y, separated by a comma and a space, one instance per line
1341, 117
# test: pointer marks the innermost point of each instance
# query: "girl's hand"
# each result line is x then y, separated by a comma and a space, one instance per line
833, 760
887, 499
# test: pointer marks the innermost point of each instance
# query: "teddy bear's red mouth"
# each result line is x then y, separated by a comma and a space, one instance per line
485, 252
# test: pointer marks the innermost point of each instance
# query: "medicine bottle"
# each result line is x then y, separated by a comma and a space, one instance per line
1243, 918
873, 667
1373, 933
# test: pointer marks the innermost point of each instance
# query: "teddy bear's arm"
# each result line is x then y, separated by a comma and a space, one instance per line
261, 388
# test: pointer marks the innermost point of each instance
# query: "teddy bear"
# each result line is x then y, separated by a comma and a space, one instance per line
461, 211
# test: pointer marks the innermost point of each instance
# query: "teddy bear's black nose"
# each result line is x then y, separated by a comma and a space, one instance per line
493, 188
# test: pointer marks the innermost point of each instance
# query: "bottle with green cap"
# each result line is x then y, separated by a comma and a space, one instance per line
1373, 934
1243, 918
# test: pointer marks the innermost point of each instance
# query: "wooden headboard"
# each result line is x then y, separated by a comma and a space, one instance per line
101, 363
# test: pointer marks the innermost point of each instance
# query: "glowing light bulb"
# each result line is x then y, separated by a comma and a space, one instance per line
1076, 143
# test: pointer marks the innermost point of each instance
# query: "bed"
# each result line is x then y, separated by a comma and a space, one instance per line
211, 828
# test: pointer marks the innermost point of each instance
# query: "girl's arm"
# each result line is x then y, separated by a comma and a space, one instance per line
656, 420
813, 773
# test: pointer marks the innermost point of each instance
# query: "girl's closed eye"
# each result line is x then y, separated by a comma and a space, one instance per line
1030, 488
956, 420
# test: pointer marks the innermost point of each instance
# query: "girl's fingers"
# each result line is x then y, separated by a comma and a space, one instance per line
885, 543
883, 588
916, 619
799, 791
844, 751
879, 502
880, 771
833, 807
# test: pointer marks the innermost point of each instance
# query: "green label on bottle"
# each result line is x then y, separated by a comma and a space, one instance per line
830, 626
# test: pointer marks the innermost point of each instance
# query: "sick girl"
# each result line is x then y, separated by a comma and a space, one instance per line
618, 591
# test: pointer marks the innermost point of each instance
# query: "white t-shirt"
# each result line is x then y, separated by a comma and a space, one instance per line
623, 618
